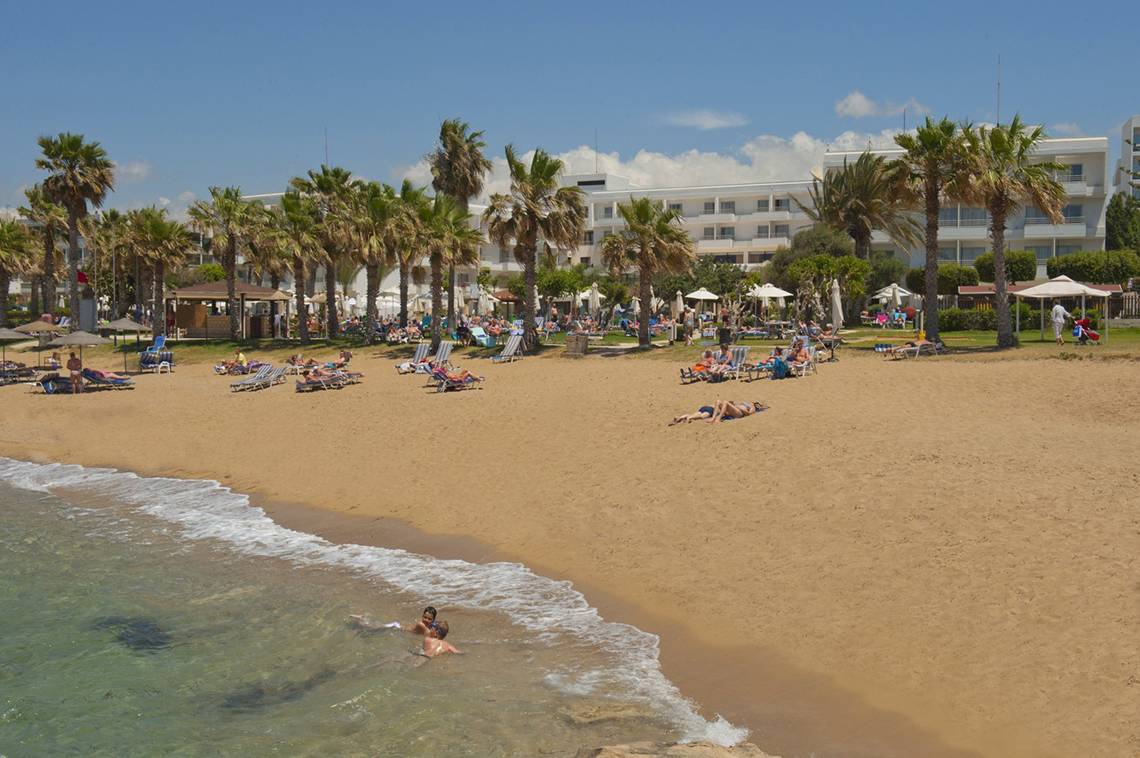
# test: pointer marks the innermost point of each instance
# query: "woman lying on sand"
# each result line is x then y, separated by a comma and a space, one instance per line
723, 410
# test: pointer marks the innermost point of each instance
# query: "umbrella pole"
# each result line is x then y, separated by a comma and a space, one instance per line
1042, 309
1018, 318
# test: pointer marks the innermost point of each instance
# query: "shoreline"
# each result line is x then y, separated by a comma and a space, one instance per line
889, 531
776, 701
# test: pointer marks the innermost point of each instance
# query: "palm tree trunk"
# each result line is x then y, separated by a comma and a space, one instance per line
645, 282
138, 289
158, 325
34, 305
862, 246
404, 275
299, 289
1001, 296
530, 279
930, 301
330, 298
436, 300
451, 297
229, 263
372, 291
48, 279
274, 280
73, 264
5, 281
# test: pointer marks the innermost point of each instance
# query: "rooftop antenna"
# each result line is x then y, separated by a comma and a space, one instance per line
326, 146
595, 149
999, 89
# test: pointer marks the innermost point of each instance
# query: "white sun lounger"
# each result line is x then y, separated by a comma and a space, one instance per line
512, 351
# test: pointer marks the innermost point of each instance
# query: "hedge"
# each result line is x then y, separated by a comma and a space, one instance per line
950, 277
1020, 266
1096, 267
977, 320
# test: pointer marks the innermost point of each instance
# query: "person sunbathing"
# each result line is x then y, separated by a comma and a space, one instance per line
721, 363
705, 363
722, 410
109, 375
461, 375
801, 356
909, 346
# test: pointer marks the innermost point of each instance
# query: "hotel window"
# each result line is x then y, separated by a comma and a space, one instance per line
780, 230
948, 216
762, 232
1074, 172
972, 217
728, 232
728, 206
608, 212
709, 233
783, 204
970, 254
762, 205
1043, 252
588, 237
726, 259
1069, 249
585, 260
710, 206
948, 253
1074, 213
759, 257
676, 207
505, 256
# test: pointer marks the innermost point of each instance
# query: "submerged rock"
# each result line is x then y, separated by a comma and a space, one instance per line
258, 696
137, 633
595, 711
674, 750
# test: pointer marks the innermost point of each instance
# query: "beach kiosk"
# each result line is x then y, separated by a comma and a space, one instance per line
199, 310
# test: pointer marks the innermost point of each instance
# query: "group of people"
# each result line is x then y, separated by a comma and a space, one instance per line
433, 630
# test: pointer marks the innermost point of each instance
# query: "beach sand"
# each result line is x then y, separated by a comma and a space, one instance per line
931, 557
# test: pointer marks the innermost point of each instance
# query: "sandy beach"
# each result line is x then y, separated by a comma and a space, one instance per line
932, 557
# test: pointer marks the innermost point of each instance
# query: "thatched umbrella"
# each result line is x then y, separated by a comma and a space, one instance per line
8, 335
80, 339
37, 327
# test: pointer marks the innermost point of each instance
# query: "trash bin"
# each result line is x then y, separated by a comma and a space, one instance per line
576, 344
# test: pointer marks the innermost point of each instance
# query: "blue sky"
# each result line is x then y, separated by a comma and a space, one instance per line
185, 96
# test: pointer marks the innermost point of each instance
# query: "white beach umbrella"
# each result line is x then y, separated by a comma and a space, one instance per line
767, 290
595, 298
678, 305
896, 299
701, 294
836, 305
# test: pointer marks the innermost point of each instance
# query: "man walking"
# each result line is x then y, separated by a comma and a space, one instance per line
1059, 317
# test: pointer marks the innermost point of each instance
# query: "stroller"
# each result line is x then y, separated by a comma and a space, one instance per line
1084, 333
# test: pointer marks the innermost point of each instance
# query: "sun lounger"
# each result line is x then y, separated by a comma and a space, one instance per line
444, 383
272, 377
310, 383
96, 380
736, 365
250, 381
512, 351
913, 351
481, 338
807, 367
691, 376
441, 358
419, 357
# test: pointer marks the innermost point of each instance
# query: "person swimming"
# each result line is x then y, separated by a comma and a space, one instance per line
434, 644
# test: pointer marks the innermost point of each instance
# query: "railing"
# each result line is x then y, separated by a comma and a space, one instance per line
1049, 221
973, 222
1069, 178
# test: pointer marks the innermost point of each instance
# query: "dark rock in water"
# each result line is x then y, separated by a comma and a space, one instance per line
137, 633
674, 750
257, 696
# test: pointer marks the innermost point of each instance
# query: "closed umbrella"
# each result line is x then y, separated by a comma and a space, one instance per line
896, 299
678, 305
836, 305
126, 325
595, 299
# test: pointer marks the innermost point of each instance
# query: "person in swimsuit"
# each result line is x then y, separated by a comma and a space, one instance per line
434, 644
426, 622
727, 410
75, 366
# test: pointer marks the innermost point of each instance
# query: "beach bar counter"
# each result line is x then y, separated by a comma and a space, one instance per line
199, 311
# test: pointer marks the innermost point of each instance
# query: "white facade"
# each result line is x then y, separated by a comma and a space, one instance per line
963, 231
1128, 167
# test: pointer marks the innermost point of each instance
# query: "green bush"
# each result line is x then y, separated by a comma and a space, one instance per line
1020, 266
977, 319
1096, 267
950, 277
15, 317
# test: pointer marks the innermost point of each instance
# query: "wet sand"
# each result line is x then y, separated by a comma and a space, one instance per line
896, 559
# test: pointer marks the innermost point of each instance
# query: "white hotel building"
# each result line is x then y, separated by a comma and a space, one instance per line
745, 224
1128, 167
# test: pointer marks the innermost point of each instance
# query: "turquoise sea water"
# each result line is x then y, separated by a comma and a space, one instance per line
156, 616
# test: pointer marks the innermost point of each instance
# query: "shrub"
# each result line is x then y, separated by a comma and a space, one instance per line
950, 277
976, 319
1097, 267
1020, 266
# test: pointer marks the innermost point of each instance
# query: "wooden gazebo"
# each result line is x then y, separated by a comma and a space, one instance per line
193, 305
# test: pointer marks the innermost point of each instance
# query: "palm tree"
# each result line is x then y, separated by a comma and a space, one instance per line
297, 222
80, 173
457, 168
1003, 180
17, 257
330, 187
861, 197
536, 209
51, 219
654, 241
449, 239
402, 238
228, 218
933, 168
163, 242
104, 235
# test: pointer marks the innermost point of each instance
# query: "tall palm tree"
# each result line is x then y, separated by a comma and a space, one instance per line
1002, 180
402, 238
654, 241
17, 258
164, 243
449, 239
458, 167
381, 228
297, 220
859, 198
51, 219
536, 210
330, 188
80, 173
228, 218
932, 168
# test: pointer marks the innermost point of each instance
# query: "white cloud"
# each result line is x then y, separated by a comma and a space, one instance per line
134, 171
705, 119
858, 105
1066, 129
766, 157
8, 212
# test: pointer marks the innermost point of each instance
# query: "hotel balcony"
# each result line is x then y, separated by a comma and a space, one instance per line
721, 245
714, 218
1071, 227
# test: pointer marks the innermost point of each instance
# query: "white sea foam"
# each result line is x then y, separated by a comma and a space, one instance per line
205, 510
